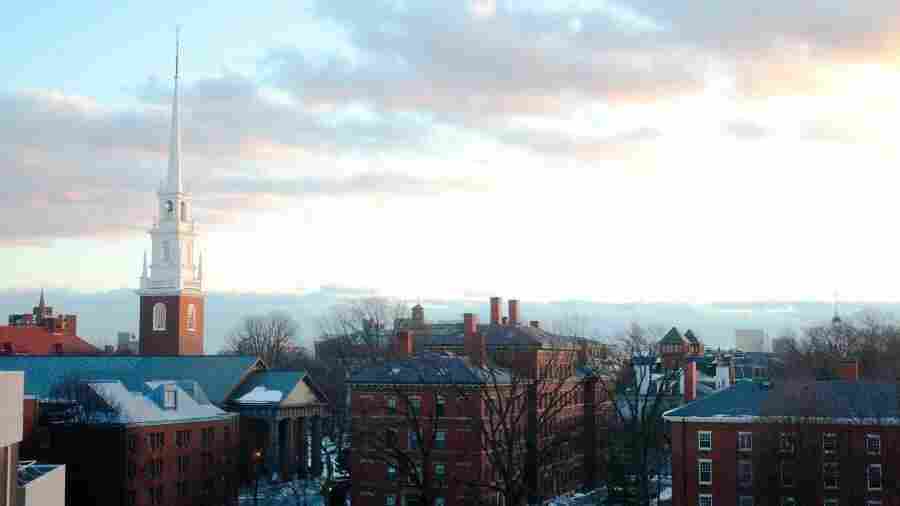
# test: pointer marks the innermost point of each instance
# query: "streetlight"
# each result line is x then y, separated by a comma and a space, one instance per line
257, 457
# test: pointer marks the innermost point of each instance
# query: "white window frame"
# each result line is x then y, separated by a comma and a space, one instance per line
832, 436
440, 439
170, 397
869, 468
159, 316
390, 500
749, 436
873, 437
831, 501
745, 500
825, 475
700, 463
707, 497
700, 436
191, 317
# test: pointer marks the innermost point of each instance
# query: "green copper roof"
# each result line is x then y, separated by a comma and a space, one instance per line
672, 337
217, 375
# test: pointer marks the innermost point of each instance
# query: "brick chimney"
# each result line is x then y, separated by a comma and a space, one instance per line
403, 344
473, 341
690, 381
848, 370
495, 310
536, 324
513, 311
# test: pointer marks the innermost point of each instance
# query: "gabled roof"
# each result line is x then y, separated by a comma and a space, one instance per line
672, 337
689, 335
277, 387
430, 368
39, 341
217, 375
833, 400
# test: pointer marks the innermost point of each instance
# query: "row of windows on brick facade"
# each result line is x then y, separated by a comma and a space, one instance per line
409, 500
551, 400
748, 500
831, 477
159, 317
153, 468
155, 495
787, 442
157, 440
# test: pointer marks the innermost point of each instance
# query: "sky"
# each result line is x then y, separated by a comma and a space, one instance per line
634, 150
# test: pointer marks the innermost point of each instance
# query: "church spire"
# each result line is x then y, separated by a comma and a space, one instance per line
41, 303
173, 183
144, 271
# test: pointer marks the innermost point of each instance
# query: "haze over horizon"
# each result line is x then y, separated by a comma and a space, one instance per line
605, 151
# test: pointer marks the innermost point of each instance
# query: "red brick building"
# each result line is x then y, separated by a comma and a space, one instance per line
164, 445
42, 332
805, 442
450, 362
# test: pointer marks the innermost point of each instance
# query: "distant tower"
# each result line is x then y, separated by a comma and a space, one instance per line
171, 293
836, 319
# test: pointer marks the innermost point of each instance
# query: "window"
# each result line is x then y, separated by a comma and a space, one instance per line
873, 444
391, 472
157, 440
166, 252
440, 405
171, 396
745, 473
132, 443
191, 317
183, 211
131, 498
705, 500
154, 468
391, 407
440, 474
831, 473
390, 438
155, 494
439, 501
787, 474
745, 441
704, 440
788, 501
184, 463
390, 500
829, 443
440, 439
745, 500
704, 471
413, 440
132, 469
831, 501
159, 316
181, 488
227, 434
415, 406
873, 476
786, 443
207, 436
183, 439
873, 502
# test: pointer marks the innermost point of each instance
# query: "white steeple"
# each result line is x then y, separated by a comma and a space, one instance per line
174, 183
174, 233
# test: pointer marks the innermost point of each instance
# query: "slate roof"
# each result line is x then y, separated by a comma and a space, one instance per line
672, 337
503, 335
145, 405
850, 400
689, 335
217, 375
429, 368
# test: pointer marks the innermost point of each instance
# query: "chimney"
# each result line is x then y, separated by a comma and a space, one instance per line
418, 313
403, 344
848, 370
689, 381
536, 324
505, 321
495, 310
473, 342
513, 311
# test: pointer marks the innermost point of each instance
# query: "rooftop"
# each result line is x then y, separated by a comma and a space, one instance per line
430, 368
148, 405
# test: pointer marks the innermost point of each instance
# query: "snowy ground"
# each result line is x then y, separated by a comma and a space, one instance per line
283, 494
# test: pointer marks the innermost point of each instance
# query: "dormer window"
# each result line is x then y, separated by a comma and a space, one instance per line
170, 397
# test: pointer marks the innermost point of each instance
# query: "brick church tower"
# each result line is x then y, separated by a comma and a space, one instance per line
171, 293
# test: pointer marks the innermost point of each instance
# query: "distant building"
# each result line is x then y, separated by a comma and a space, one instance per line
752, 340
127, 343
42, 332
23, 483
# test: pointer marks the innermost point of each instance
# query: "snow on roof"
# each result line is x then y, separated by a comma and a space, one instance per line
147, 406
260, 394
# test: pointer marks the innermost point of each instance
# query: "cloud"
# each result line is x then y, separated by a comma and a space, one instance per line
73, 168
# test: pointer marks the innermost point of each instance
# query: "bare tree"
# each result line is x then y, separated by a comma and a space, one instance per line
271, 337
77, 402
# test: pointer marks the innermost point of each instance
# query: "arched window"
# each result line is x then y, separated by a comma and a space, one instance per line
159, 316
183, 211
191, 317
